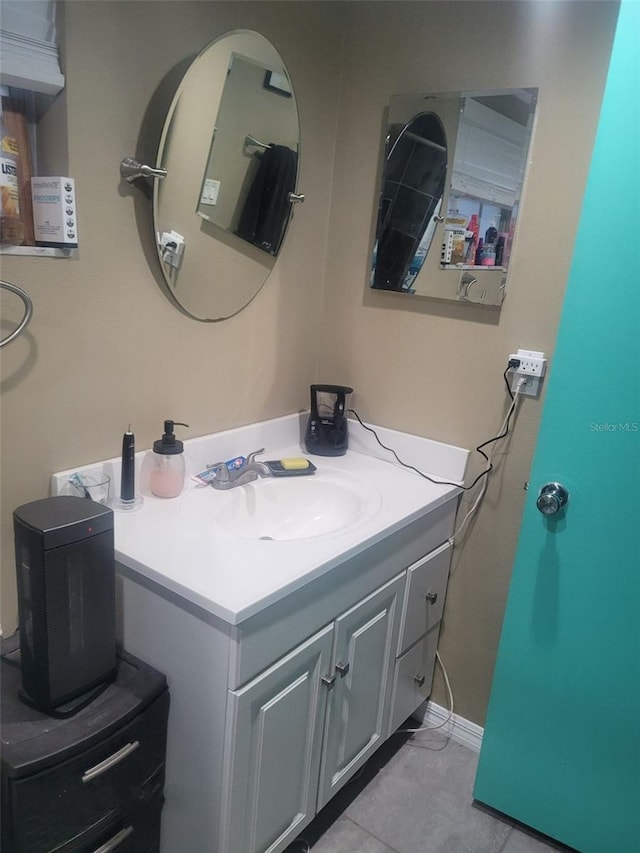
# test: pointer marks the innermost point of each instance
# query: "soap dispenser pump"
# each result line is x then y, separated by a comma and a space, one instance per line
167, 475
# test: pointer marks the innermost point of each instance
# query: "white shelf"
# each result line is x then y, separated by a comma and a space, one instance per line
472, 267
38, 251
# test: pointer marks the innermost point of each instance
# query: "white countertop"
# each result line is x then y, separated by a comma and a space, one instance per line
170, 542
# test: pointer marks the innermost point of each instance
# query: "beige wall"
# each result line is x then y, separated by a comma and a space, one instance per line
435, 368
106, 347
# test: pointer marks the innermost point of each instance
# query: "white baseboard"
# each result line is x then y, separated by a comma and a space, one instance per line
457, 728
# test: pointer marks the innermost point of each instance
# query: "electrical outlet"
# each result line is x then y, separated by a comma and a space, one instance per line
532, 363
530, 386
447, 247
531, 368
171, 248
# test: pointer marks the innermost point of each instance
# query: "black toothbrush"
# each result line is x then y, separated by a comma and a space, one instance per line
128, 475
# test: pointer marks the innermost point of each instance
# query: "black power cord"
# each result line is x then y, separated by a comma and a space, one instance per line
479, 448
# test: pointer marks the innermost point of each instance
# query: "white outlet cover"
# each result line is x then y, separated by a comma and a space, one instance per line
210, 191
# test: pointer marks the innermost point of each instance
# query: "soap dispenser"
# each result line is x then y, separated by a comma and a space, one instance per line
167, 475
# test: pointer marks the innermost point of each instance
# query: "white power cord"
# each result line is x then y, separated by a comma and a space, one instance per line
450, 695
452, 539
483, 487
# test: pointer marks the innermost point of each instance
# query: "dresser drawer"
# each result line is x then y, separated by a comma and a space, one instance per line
112, 779
424, 596
136, 832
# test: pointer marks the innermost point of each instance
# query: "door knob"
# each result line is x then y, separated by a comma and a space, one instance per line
552, 498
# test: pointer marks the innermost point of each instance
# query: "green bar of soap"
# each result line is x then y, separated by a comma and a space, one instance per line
294, 463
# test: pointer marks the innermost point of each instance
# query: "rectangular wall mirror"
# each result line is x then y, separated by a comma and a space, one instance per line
451, 187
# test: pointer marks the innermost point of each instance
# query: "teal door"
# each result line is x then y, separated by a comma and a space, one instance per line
561, 747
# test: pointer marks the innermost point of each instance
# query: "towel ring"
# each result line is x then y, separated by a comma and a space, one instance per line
28, 311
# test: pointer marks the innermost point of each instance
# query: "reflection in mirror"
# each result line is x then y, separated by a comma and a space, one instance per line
413, 184
468, 217
222, 212
248, 179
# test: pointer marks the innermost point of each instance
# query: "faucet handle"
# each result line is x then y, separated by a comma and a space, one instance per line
222, 473
251, 457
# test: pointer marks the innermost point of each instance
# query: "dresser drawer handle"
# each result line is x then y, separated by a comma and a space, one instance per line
114, 842
110, 762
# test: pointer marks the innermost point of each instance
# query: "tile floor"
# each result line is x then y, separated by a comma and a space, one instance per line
415, 796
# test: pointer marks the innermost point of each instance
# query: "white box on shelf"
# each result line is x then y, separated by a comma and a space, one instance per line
54, 212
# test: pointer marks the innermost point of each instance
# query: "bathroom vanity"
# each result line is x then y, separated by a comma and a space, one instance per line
290, 657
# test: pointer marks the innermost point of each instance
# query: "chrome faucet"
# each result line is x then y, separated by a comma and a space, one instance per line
249, 471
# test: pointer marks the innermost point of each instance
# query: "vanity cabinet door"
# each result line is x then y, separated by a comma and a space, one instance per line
274, 730
366, 637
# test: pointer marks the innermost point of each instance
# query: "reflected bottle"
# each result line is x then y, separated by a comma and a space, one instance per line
488, 255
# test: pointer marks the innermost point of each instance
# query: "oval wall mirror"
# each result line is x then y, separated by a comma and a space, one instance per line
230, 146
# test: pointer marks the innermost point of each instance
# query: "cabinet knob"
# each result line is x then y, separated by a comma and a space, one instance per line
419, 680
431, 597
342, 668
328, 681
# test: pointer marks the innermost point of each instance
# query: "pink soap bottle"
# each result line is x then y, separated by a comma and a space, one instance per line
167, 475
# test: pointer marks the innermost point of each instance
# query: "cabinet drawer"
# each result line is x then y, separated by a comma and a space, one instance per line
110, 779
424, 596
413, 678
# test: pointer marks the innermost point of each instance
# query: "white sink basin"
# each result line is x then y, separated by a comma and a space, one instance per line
285, 508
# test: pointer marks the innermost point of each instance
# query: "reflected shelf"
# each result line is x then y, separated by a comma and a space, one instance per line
39, 251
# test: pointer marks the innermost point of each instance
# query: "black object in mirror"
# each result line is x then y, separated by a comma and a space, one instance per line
412, 187
252, 166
